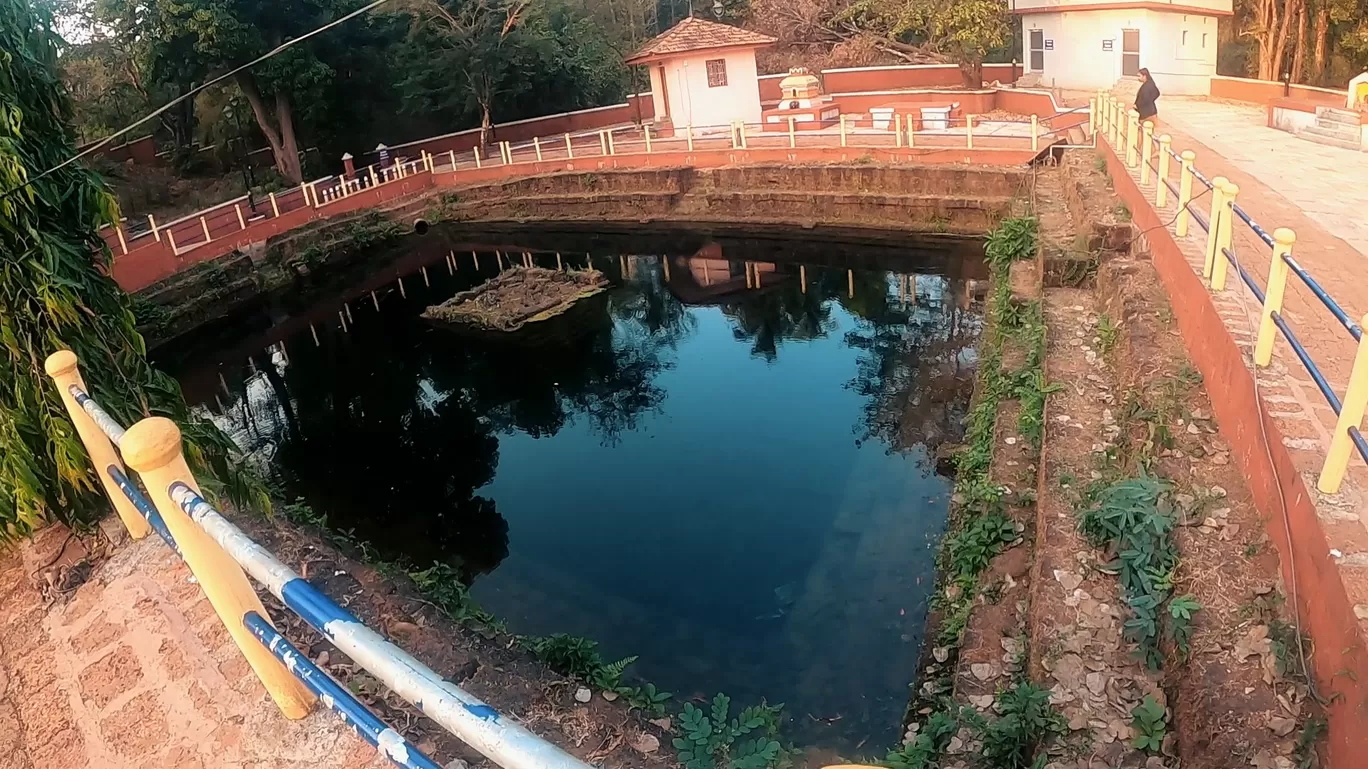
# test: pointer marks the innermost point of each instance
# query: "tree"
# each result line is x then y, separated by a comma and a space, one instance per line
55, 292
227, 33
965, 30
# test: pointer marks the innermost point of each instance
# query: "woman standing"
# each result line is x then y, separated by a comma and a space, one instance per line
1146, 97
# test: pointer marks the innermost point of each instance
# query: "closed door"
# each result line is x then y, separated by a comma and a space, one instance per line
1037, 50
1130, 52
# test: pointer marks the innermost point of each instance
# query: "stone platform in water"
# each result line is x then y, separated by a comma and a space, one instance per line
516, 298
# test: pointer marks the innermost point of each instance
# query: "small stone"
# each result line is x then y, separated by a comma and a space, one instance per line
955, 745
1068, 579
1063, 419
402, 628
941, 653
457, 763
1075, 342
981, 701
646, 743
1220, 459
1193, 429
1013, 645
583, 694
663, 723
1361, 610
1210, 523
322, 659
611, 696
1096, 683
1010, 441
981, 670
1218, 492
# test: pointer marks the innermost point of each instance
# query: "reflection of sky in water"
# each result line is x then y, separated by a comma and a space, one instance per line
727, 508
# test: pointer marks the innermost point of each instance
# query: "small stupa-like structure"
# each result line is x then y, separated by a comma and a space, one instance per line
801, 101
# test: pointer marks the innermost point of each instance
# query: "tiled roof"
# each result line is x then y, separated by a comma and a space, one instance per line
695, 34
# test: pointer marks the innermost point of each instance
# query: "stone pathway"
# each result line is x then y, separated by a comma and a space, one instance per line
133, 670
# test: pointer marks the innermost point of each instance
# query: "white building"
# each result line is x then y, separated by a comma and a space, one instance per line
703, 74
1087, 44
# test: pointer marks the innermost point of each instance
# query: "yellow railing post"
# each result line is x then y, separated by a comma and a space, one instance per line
612, 150
123, 244
911, 131
171, 241
62, 367
1118, 125
688, 135
1035, 133
1351, 415
536, 146
1185, 192
897, 130
151, 222
1283, 239
741, 131
152, 447
451, 155
603, 143
1132, 137
569, 148
1146, 145
793, 134
1213, 225
969, 132
242, 223
275, 207
646, 133
508, 152
843, 130
476, 148
1161, 179
1092, 115
375, 180
1225, 241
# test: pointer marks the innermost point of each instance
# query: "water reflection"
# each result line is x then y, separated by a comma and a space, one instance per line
723, 464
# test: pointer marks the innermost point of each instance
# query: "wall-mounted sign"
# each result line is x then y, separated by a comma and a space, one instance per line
1049, 45
1106, 45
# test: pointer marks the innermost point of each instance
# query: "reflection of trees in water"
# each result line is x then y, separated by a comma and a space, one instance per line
391, 429
918, 367
915, 371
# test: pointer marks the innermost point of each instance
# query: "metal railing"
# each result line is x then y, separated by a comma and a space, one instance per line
1133, 143
222, 556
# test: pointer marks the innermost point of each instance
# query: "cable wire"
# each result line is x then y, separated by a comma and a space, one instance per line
190, 94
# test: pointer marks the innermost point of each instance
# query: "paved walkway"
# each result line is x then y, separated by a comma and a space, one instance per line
1322, 194
1329, 184
133, 670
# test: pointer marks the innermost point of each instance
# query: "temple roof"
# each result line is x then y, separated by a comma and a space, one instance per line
695, 34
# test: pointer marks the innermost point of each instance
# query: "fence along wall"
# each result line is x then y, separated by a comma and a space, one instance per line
1265, 91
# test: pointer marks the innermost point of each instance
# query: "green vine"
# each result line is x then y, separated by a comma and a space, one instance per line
56, 292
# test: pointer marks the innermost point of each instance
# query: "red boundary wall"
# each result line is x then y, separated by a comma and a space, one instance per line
1339, 659
1265, 91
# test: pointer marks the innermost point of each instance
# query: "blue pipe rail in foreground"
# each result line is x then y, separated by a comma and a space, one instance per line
471, 720
339, 700
477, 724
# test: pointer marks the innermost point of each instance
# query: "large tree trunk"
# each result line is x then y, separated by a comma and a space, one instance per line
289, 143
971, 71
1322, 37
1280, 41
286, 163
1299, 49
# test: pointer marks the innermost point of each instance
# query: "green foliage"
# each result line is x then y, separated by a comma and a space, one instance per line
1312, 732
965, 30
1132, 518
1014, 239
441, 584
1026, 720
1107, 334
579, 657
710, 741
1150, 721
924, 751
646, 699
974, 546
55, 292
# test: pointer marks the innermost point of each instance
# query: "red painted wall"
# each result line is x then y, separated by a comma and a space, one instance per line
1338, 654
1264, 91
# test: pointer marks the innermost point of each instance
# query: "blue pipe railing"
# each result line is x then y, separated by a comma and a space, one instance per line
506, 742
1354, 329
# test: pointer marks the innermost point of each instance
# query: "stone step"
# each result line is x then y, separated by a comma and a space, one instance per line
1336, 130
1329, 138
1338, 117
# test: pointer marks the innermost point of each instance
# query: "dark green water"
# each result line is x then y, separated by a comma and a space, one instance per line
733, 483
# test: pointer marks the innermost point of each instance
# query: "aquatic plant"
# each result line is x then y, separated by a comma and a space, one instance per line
579, 657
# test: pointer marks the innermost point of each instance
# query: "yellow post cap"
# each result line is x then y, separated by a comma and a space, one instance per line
151, 443
60, 362
1285, 236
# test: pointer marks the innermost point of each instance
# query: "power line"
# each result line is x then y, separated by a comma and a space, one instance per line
187, 95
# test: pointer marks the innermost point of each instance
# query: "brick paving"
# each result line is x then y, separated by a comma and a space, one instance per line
134, 670
1320, 193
